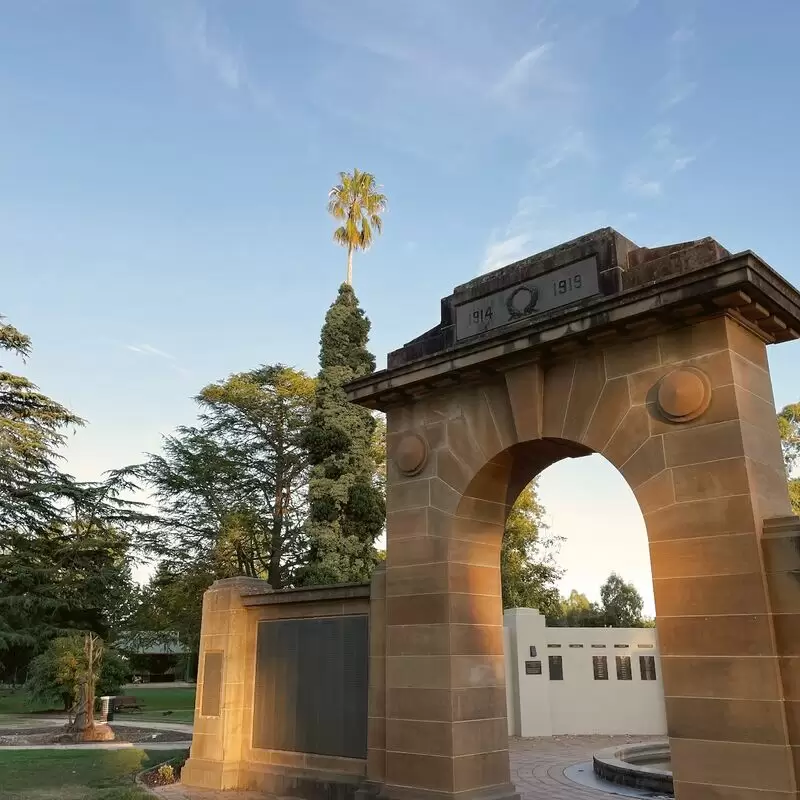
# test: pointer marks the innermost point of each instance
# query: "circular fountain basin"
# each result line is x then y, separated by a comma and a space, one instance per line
640, 766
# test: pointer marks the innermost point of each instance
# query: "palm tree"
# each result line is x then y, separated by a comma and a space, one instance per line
358, 203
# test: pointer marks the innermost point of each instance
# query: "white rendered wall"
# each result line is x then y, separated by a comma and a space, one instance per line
579, 704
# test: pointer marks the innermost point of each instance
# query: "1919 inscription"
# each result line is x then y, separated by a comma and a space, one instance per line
552, 290
567, 284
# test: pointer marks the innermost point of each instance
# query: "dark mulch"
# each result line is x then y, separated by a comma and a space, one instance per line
56, 735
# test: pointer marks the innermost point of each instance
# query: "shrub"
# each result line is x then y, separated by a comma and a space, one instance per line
54, 675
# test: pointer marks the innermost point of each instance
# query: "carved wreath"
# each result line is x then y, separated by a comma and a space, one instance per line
530, 303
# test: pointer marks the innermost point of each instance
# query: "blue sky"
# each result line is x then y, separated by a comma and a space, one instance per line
164, 168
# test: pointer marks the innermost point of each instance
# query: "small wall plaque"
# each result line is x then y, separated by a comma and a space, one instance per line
533, 667
600, 667
624, 671
211, 697
647, 667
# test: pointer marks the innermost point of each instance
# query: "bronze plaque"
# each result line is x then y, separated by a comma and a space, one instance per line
211, 701
311, 686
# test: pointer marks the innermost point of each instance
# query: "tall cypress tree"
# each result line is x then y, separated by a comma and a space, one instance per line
346, 506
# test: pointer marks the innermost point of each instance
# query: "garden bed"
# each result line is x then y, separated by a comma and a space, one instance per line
164, 774
58, 735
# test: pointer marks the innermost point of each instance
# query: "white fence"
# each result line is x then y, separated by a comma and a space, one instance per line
581, 680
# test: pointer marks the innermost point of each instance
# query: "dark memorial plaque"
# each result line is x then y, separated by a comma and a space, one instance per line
311, 686
212, 684
560, 287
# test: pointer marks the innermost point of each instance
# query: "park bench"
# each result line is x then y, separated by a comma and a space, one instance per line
127, 702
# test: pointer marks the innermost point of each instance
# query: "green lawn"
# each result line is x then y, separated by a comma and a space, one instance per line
76, 775
180, 701
16, 701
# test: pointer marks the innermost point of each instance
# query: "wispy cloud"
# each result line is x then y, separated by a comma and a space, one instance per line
149, 350
226, 66
441, 97
671, 156
407, 46
662, 156
536, 225
196, 45
514, 241
661, 138
678, 93
421, 91
677, 85
682, 162
521, 73
681, 35
642, 187
572, 144
506, 251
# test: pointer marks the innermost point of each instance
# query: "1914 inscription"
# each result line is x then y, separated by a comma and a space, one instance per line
560, 287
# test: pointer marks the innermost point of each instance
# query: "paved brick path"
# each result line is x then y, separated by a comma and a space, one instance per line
537, 765
537, 768
178, 792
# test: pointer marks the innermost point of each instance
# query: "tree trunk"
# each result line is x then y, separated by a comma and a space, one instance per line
90, 681
275, 572
349, 266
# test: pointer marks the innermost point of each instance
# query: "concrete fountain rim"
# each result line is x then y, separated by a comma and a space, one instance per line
618, 765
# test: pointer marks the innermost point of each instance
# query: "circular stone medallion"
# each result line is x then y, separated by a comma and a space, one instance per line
411, 454
684, 394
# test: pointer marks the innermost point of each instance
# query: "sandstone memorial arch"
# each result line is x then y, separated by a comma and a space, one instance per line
655, 358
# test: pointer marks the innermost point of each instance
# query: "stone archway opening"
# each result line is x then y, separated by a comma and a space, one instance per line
586, 670
591, 501
594, 514
656, 359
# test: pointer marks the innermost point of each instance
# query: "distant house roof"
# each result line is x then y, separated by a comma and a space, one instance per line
152, 643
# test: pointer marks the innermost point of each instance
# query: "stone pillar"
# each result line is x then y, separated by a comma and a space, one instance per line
706, 479
222, 696
446, 724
